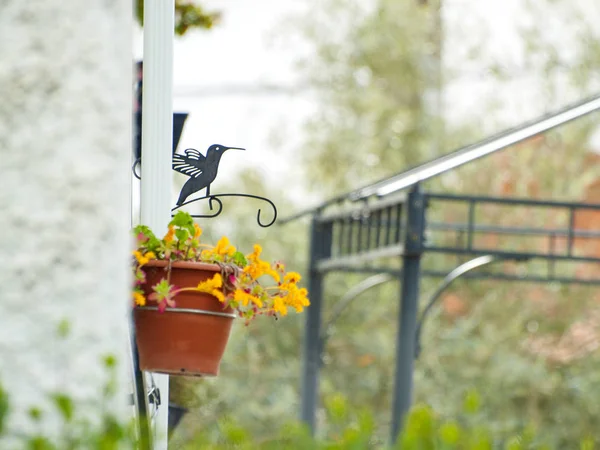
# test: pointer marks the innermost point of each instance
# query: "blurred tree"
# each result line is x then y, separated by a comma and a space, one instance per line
376, 72
188, 15
372, 75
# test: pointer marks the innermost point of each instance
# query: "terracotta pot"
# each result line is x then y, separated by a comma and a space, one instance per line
189, 339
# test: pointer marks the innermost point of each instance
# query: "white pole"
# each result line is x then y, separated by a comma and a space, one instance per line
157, 136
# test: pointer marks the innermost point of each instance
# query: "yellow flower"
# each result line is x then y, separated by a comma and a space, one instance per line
269, 270
258, 268
213, 286
223, 247
240, 297
169, 236
219, 294
206, 254
213, 283
295, 298
198, 232
245, 298
255, 255
143, 259
292, 277
139, 298
279, 306
138, 255
303, 293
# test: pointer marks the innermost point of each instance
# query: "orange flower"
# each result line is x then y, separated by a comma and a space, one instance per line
169, 236
139, 298
198, 231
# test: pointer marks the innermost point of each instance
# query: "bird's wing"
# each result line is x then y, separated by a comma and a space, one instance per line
194, 154
192, 164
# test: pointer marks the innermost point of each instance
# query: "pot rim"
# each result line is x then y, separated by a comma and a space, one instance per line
184, 265
189, 311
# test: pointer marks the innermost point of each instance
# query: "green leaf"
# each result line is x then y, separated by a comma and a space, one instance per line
337, 408
472, 402
514, 444
239, 259
4, 406
35, 413
191, 228
163, 288
587, 444
450, 433
65, 406
63, 329
145, 230
112, 433
153, 243
182, 219
40, 443
182, 235
110, 361
481, 440
233, 433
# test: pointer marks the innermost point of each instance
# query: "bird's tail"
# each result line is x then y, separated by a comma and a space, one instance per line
181, 199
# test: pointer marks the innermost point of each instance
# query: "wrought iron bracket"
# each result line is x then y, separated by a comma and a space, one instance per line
219, 207
202, 171
153, 397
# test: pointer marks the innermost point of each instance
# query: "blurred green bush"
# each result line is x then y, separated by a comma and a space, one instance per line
351, 430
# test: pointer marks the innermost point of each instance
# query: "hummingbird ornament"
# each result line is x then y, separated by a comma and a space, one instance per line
201, 169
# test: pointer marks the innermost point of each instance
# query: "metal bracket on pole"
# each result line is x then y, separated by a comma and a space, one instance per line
140, 398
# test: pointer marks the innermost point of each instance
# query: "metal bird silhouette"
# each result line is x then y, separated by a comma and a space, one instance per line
201, 169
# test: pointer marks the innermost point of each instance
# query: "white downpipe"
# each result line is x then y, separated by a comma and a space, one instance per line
157, 136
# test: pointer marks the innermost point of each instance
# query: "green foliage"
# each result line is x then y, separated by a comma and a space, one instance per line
354, 430
92, 426
188, 15
64, 405
370, 78
425, 430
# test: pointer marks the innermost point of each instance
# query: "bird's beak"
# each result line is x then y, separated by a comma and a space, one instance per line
235, 148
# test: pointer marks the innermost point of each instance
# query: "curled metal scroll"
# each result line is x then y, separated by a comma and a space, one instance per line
215, 198
137, 164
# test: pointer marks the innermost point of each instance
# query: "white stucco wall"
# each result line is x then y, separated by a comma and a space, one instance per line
65, 111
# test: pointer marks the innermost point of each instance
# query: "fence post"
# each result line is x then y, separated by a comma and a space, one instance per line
409, 299
320, 247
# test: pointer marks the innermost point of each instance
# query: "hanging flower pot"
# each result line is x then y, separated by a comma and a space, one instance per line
189, 338
187, 293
